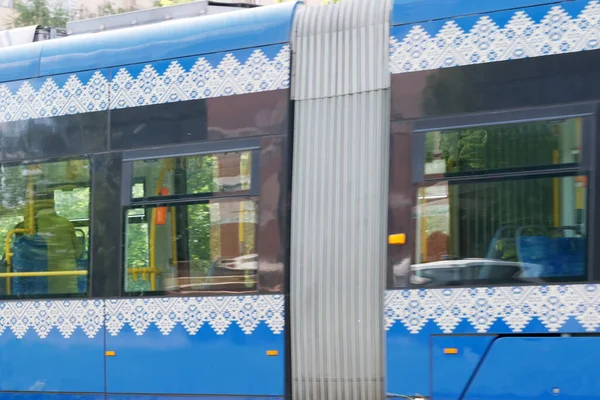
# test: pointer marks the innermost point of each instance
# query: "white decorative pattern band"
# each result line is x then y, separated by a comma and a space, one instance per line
522, 36
553, 306
194, 312
42, 317
256, 73
217, 313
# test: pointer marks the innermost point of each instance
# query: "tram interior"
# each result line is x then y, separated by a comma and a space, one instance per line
502, 204
190, 228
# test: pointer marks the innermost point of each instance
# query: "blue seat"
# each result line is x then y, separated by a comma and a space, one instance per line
570, 256
30, 254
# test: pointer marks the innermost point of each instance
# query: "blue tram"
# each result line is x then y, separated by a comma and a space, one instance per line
363, 200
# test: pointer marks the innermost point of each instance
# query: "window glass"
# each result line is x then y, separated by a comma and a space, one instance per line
495, 227
507, 147
201, 247
44, 224
507, 231
202, 174
193, 244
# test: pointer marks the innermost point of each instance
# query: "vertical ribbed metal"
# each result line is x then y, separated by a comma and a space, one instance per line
339, 200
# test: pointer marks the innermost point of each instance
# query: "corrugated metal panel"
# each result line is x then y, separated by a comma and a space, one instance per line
341, 49
339, 210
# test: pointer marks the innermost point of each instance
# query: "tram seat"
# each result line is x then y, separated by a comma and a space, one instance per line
30, 254
570, 256
538, 250
563, 256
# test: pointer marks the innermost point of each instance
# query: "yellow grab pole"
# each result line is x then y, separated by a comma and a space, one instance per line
159, 183
174, 235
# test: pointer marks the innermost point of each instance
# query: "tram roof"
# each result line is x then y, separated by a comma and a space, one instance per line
415, 11
246, 28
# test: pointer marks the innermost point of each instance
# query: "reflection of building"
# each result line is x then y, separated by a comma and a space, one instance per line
83, 8
6, 13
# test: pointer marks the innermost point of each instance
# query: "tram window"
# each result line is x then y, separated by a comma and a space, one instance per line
195, 228
44, 221
498, 228
204, 174
213, 249
530, 145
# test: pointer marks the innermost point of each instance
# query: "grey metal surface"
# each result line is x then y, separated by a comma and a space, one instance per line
348, 48
339, 200
29, 34
136, 18
17, 36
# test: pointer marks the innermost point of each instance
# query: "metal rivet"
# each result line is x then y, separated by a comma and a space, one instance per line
556, 391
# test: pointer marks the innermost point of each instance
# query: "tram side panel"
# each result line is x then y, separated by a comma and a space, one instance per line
222, 240
49, 344
483, 287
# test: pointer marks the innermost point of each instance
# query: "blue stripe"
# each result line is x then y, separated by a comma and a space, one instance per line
412, 11
252, 28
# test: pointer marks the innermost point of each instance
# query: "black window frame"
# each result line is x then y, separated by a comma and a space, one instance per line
589, 165
252, 145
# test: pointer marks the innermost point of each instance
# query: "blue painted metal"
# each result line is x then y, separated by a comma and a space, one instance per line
452, 372
50, 396
53, 363
408, 360
519, 368
20, 62
413, 11
162, 397
413, 316
95, 396
233, 363
251, 28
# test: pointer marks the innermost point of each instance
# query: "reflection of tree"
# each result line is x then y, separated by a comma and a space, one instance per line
478, 210
55, 15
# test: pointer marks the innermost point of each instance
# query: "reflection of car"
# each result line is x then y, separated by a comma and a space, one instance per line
473, 271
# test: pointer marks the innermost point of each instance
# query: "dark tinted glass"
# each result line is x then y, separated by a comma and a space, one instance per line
107, 225
70, 135
161, 124
505, 147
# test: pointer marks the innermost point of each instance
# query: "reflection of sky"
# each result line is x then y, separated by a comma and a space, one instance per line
436, 200
435, 167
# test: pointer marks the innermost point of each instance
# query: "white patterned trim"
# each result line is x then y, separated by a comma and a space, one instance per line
557, 33
44, 316
258, 73
217, 313
481, 307
194, 312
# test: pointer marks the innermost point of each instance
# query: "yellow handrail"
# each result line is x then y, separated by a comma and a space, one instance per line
153, 269
42, 274
143, 271
174, 236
